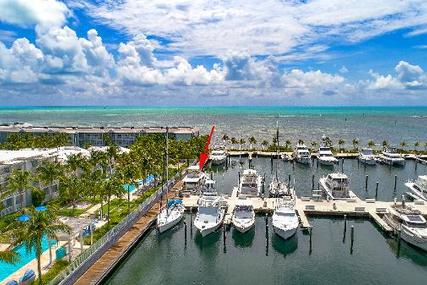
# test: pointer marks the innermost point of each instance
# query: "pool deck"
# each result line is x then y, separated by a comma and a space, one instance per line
305, 206
100, 269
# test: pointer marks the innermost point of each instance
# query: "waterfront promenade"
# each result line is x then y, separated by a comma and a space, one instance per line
100, 269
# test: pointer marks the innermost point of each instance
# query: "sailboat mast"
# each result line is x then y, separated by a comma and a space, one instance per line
167, 153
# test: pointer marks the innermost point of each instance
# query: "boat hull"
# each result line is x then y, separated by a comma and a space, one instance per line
164, 226
207, 230
327, 162
414, 240
367, 161
284, 233
303, 160
243, 228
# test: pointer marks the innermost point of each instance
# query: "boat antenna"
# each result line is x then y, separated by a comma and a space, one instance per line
167, 155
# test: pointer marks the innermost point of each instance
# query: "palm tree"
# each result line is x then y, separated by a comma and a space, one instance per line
314, 144
341, 142
128, 173
31, 232
287, 144
19, 181
242, 141
385, 143
9, 256
371, 143
416, 145
252, 141
48, 172
300, 141
111, 187
264, 144
225, 138
70, 190
403, 144
355, 143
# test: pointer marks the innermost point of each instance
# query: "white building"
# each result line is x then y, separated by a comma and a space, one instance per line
29, 159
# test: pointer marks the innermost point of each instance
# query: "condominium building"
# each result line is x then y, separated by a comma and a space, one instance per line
97, 136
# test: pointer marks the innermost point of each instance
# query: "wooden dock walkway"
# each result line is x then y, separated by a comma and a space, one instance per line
100, 269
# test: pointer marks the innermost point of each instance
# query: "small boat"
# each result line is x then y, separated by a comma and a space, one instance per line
336, 186
285, 220
326, 157
194, 180
418, 188
250, 184
243, 218
285, 157
218, 157
301, 154
366, 156
170, 216
390, 156
28, 277
277, 188
210, 213
411, 224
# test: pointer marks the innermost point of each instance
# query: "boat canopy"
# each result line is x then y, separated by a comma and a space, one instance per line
174, 202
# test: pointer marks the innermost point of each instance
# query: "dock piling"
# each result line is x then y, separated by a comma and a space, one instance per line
312, 182
399, 239
376, 191
191, 221
289, 179
345, 228
395, 182
266, 234
352, 239
310, 232
342, 165
185, 234
366, 182
238, 182
224, 237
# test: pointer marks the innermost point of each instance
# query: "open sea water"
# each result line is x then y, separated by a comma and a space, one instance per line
394, 124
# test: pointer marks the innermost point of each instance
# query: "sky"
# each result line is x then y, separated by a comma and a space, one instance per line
216, 52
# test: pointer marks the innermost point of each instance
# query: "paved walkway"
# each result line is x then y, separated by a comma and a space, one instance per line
109, 259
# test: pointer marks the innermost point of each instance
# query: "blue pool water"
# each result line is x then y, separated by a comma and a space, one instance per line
129, 187
24, 257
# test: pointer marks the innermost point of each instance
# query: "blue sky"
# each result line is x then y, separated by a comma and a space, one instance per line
242, 52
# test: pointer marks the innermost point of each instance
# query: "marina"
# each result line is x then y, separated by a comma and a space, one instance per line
363, 213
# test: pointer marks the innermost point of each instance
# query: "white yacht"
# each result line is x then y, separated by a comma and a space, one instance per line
336, 186
366, 156
302, 154
411, 224
391, 157
278, 188
326, 157
250, 184
170, 215
210, 213
218, 157
243, 218
285, 220
194, 179
418, 188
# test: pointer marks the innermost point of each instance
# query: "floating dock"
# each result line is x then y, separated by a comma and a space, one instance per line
306, 206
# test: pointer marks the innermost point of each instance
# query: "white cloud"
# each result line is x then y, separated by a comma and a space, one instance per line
44, 13
408, 77
267, 27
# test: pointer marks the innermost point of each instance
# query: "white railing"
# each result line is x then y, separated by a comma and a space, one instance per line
83, 261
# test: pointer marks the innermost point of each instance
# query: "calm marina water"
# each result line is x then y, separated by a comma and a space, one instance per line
393, 124
250, 259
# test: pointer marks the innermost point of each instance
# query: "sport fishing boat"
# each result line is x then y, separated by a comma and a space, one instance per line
418, 188
210, 213
243, 218
218, 157
194, 180
326, 157
411, 224
336, 186
250, 184
390, 156
285, 220
366, 156
170, 216
301, 153
278, 188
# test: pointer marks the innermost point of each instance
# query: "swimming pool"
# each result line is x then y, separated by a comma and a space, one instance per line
129, 187
7, 269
